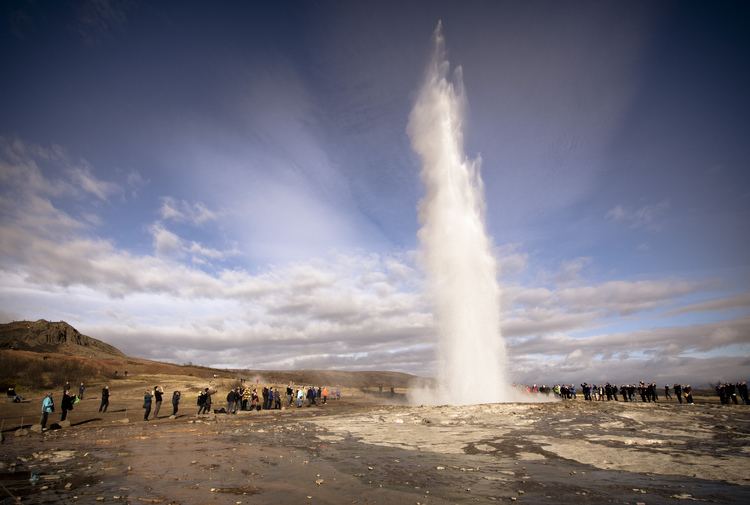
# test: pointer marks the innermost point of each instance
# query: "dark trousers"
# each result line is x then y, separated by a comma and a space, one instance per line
64, 415
147, 410
43, 420
175, 406
103, 406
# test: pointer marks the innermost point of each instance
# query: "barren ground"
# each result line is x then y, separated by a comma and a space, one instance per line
358, 450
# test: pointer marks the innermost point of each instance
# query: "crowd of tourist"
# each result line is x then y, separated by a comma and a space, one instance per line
249, 398
729, 392
646, 392
269, 398
240, 398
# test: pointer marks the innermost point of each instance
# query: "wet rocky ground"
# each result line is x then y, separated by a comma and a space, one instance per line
358, 453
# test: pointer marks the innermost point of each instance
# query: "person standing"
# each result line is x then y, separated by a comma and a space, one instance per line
231, 398
688, 392
175, 402
158, 396
678, 392
105, 399
48, 406
742, 388
81, 390
206, 405
66, 404
265, 397
201, 401
277, 399
246, 395
666, 392
147, 396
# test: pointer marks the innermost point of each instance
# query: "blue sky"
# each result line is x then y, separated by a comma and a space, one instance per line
232, 184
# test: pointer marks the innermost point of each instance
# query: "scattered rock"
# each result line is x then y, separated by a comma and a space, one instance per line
64, 424
319, 481
36, 428
682, 496
21, 432
439, 468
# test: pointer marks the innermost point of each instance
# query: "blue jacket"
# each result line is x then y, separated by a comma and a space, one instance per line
48, 405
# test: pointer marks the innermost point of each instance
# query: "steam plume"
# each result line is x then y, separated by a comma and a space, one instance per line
455, 248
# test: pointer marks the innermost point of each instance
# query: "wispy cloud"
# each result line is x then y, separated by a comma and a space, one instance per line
83, 177
648, 216
740, 301
180, 210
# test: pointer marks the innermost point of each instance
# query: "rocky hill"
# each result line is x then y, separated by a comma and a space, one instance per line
26, 346
53, 337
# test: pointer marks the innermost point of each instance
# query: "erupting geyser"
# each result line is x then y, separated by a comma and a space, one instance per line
456, 250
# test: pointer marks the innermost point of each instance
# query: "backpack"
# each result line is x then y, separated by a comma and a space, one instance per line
201, 399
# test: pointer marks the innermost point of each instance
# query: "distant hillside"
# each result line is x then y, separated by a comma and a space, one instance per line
359, 379
47, 336
58, 352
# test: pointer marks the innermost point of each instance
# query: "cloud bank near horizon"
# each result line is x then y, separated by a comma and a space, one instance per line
347, 310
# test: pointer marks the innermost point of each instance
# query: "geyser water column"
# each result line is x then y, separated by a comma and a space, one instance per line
455, 249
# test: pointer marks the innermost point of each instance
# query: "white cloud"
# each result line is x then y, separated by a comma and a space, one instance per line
180, 210
166, 243
740, 301
135, 181
626, 297
570, 270
648, 216
20, 167
511, 259
83, 178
